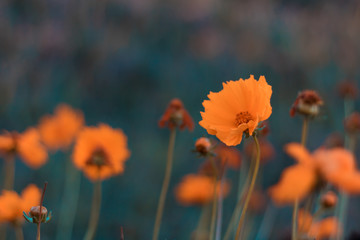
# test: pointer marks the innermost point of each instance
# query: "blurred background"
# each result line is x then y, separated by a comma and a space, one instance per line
122, 61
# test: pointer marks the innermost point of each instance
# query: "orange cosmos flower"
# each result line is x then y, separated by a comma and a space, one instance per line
336, 166
237, 109
176, 116
100, 152
198, 190
27, 145
59, 130
318, 230
12, 205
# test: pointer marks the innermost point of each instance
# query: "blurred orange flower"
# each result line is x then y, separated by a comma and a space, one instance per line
100, 152
27, 145
228, 156
59, 130
322, 229
267, 150
336, 166
237, 109
176, 116
198, 190
12, 205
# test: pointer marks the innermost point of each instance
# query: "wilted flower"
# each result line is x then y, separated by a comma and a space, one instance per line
27, 145
12, 205
348, 89
59, 130
307, 103
336, 166
176, 116
100, 152
198, 190
352, 123
237, 109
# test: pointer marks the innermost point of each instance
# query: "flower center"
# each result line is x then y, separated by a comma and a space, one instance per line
98, 158
243, 117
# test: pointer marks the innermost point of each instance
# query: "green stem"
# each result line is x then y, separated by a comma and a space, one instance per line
95, 212
203, 223
214, 204
241, 192
304, 134
69, 202
251, 188
18, 232
9, 172
38, 232
165, 185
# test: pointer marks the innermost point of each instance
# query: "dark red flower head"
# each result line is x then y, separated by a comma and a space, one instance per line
176, 116
348, 89
352, 123
307, 103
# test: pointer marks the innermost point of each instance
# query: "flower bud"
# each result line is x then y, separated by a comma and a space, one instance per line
329, 200
307, 103
203, 146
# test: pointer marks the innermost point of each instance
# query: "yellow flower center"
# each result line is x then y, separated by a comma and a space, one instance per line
243, 117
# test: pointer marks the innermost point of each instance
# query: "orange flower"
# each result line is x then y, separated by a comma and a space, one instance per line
100, 152
59, 131
267, 150
27, 145
176, 116
237, 109
228, 156
336, 166
317, 229
198, 190
12, 205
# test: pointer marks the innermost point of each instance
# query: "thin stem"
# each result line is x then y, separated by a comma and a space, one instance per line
213, 212
220, 208
294, 220
165, 185
95, 212
304, 134
38, 232
203, 222
240, 200
69, 202
251, 188
18, 232
9, 172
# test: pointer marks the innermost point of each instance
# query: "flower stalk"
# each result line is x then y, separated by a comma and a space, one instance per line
9, 172
95, 212
251, 188
214, 203
165, 185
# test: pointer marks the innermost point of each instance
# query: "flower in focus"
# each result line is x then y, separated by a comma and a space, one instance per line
27, 145
307, 103
100, 152
352, 123
348, 89
237, 109
12, 205
176, 116
59, 130
322, 229
336, 166
198, 190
